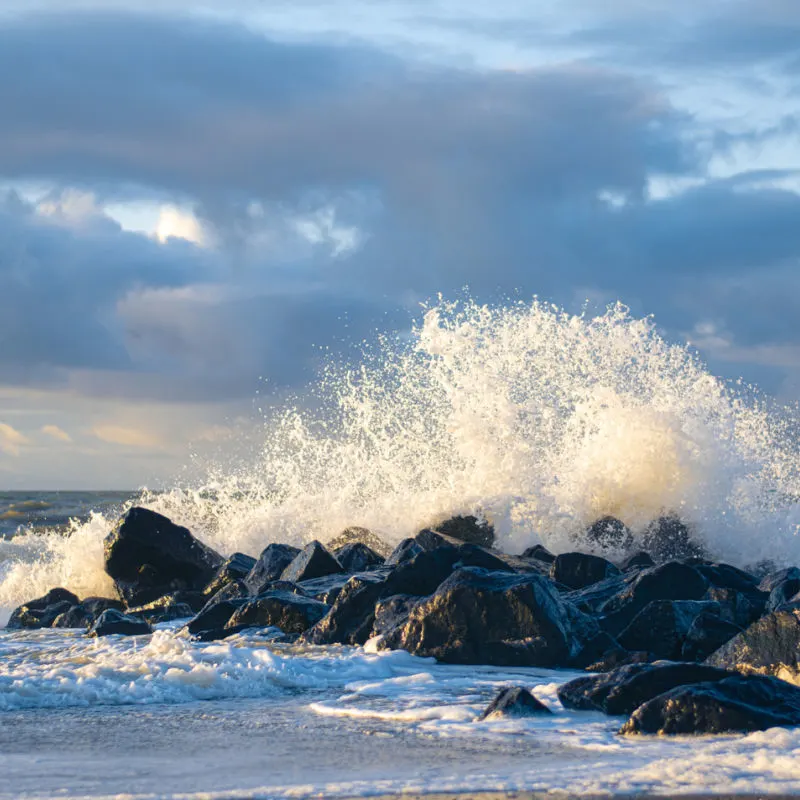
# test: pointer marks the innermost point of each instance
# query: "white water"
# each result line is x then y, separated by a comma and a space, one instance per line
538, 420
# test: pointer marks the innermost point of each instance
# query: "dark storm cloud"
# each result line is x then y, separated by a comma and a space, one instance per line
493, 179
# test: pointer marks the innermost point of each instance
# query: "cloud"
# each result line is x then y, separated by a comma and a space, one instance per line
126, 436
56, 433
11, 440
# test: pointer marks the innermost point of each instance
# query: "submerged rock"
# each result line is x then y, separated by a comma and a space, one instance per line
737, 703
285, 610
578, 570
480, 617
514, 701
625, 688
148, 556
770, 646
270, 566
43, 611
112, 621
313, 561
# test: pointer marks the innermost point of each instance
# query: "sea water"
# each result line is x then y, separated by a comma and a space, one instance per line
527, 416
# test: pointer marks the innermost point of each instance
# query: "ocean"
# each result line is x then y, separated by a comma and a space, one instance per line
534, 419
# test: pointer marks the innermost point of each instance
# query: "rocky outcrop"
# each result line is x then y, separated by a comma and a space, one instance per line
514, 701
624, 689
737, 703
148, 556
112, 621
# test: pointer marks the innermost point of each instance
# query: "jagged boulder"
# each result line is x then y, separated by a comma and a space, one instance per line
578, 570
708, 633
773, 579
637, 561
405, 551
481, 617
313, 561
112, 621
43, 611
538, 552
357, 535
74, 617
290, 612
514, 701
270, 566
770, 646
622, 690
357, 557
467, 529
235, 568
215, 615
148, 556
391, 612
738, 703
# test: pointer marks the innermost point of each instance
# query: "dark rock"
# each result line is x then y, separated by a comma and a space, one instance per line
165, 609
598, 648
470, 555
391, 612
215, 616
726, 576
430, 540
610, 534
285, 610
42, 612
74, 617
578, 570
620, 658
148, 556
662, 626
625, 688
112, 621
670, 581
232, 591
540, 553
735, 704
215, 634
771, 645
467, 529
270, 565
480, 617
640, 560
357, 557
782, 594
592, 598
668, 539
97, 605
404, 551
707, 634
313, 561
357, 535
514, 701
235, 568
775, 578
738, 608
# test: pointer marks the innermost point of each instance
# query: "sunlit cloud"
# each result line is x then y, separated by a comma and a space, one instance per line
11, 440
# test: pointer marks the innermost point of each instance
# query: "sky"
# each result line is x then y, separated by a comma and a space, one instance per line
197, 199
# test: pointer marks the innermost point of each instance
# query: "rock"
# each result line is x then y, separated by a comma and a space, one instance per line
165, 609
148, 556
235, 568
625, 688
726, 576
467, 529
97, 605
539, 553
599, 648
285, 610
270, 566
670, 581
662, 626
592, 598
770, 646
470, 555
404, 551
391, 612
313, 561
112, 621
738, 608
357, 557
640, 560
514, 701
430, 540
668, 538
233, 591
481, 617
74, 617
610, 534
707, 634
782, 594
735, 704
619, 658
578, 570
42, 612
215, 615
775, 578
357, 535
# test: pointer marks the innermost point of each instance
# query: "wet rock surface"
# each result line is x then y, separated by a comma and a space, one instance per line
514, 701
112, 622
